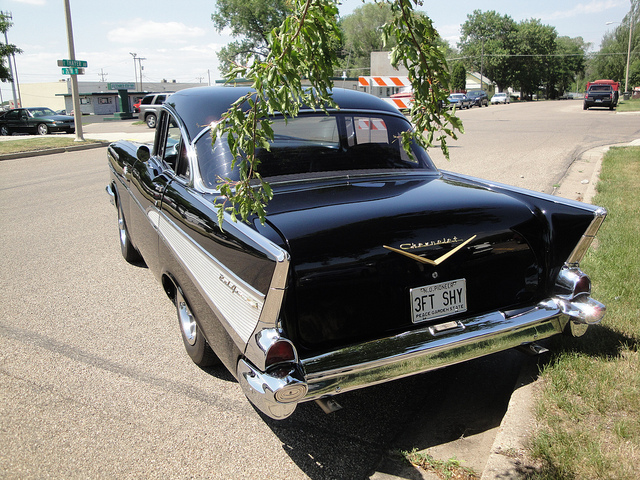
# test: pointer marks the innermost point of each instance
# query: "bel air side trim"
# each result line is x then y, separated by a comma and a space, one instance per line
238, 303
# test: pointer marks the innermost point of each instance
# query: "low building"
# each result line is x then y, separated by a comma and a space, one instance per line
96, 98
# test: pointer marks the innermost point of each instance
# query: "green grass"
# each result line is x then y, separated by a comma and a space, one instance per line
588, 413
629, 105
447, 470
31, 144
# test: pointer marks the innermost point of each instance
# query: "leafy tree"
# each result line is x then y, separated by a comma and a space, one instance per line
303, 47
486, 41
363, 34
6, 50
252, 21
569, 63
534, 46
611, 61
459, 77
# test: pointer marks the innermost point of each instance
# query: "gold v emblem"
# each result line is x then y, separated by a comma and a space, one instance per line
435, 262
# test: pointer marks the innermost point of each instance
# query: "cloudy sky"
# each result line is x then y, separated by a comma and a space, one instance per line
178, 40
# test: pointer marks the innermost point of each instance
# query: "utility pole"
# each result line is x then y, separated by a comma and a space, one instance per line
102, 75
140, 68
135, 69
16, 103
77, 114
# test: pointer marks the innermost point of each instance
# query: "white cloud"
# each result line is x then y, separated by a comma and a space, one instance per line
32, 2
594, 6
138, 29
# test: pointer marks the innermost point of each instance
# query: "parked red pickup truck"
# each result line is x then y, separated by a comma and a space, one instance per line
615, 86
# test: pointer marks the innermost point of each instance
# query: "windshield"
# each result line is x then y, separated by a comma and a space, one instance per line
321, 143
41, 112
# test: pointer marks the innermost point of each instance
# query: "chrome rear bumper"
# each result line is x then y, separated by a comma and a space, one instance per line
277, 392
430, 348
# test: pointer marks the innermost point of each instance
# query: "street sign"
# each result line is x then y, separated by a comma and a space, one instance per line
121, 86
72, 63
73, 71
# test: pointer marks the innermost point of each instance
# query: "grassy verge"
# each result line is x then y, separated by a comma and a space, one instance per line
446, 470
629, 105
588, 413
31, 144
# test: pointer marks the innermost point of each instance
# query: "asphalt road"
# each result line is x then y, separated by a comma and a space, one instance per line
94, 382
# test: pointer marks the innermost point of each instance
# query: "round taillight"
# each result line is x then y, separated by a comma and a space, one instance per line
280, 352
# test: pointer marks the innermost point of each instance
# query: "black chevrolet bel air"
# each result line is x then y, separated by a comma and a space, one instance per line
371, 265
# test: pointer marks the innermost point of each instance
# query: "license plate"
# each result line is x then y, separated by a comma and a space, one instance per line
438, 300
598, 100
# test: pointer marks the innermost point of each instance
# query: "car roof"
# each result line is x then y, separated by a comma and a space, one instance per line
200, 106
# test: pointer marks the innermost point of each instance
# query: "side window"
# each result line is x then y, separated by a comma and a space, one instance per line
173, 148
160, 99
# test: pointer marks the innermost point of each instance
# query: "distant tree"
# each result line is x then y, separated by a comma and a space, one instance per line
486, 42
459, 77
611, 60
568, 64
362, 33
533, 50
6, 50
251, 21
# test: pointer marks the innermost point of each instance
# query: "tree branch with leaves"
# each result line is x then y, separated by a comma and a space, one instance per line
303, 47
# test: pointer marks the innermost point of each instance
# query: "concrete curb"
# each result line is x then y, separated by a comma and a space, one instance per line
51, 151
508, 453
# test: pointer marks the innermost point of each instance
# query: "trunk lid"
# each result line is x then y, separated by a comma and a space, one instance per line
358, 248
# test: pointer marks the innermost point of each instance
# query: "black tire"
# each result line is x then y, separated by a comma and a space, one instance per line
4, 131
151, 120
584, 106
194, 342
129, 252
42, 129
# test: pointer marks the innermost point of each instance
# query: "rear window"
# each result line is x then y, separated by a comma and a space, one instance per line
600, 88
320, 143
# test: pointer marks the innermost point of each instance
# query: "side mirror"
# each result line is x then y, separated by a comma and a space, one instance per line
143, 154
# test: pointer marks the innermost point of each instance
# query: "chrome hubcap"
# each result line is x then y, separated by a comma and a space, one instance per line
187, 322
122, 229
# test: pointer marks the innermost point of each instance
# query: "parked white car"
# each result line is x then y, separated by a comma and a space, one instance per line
500, 98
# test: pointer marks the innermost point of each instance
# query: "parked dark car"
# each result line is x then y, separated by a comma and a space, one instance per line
459, 100
478, 98
599, 96
372, 264
36, 120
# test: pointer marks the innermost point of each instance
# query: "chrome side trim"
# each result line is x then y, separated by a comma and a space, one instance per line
237, 303
419, 351
587, 237
270, 314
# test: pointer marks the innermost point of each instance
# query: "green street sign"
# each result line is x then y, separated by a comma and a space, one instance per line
73, 71
121, 86
72, 63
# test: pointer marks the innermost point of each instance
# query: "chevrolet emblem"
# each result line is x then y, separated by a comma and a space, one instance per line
435, 262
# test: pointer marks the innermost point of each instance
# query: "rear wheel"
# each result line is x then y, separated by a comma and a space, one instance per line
4, 131
42, 129
129, 252
194, 342
151, 120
